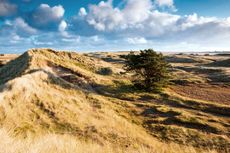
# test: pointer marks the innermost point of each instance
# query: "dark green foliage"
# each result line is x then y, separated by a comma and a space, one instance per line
150, 69
105, 71
1, 63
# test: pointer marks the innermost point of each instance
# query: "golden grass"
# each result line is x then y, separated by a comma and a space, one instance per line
43, 111
56, 143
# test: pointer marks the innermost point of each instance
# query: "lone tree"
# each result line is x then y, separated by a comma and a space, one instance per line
150, 69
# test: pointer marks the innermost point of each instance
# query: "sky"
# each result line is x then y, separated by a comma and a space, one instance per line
115, 25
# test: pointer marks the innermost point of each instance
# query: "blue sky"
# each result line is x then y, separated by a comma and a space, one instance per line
113, 25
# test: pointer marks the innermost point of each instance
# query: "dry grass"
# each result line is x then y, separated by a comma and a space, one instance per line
54, 143
57, 102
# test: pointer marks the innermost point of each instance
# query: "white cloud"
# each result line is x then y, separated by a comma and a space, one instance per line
106, 17
55, 12
136, 15
162, 3
137, 40
103, 16
22, 27
45, 15
16, 29
138, 20
136, 11
62, 26
194, 20
159, 23
16, 37
75, 39
8, 23
82, 12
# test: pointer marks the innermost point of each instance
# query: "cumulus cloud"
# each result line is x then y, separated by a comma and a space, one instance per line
106, 17
46, 17
141, 19
136, 11
62, 26
23, 28
103, 16
6, 8
134, 24
82, 12
195, 20
136, 18
17, 27
138, 21
162, 3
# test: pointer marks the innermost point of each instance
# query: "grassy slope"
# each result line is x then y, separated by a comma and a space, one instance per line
37, 101
173, 118
60, 93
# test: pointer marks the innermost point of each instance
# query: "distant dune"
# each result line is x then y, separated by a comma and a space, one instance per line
222, 63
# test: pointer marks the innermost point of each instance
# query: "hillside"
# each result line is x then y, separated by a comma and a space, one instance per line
222, 63
61, 102
4, 58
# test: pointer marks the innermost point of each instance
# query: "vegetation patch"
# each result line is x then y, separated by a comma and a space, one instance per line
150, 70
105, 71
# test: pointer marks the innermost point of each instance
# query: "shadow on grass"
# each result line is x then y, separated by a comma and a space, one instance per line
215, 75
172, 117
114, 91
14, 68
180, 126
195, 105
120, 90
113, 60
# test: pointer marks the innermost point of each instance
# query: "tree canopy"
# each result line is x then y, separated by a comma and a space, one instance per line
149, 68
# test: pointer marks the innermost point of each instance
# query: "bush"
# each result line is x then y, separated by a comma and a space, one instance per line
1, 63
150, 69
105, 71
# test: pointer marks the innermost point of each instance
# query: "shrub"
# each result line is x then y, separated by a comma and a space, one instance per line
105, 71
150, 69
1, 63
